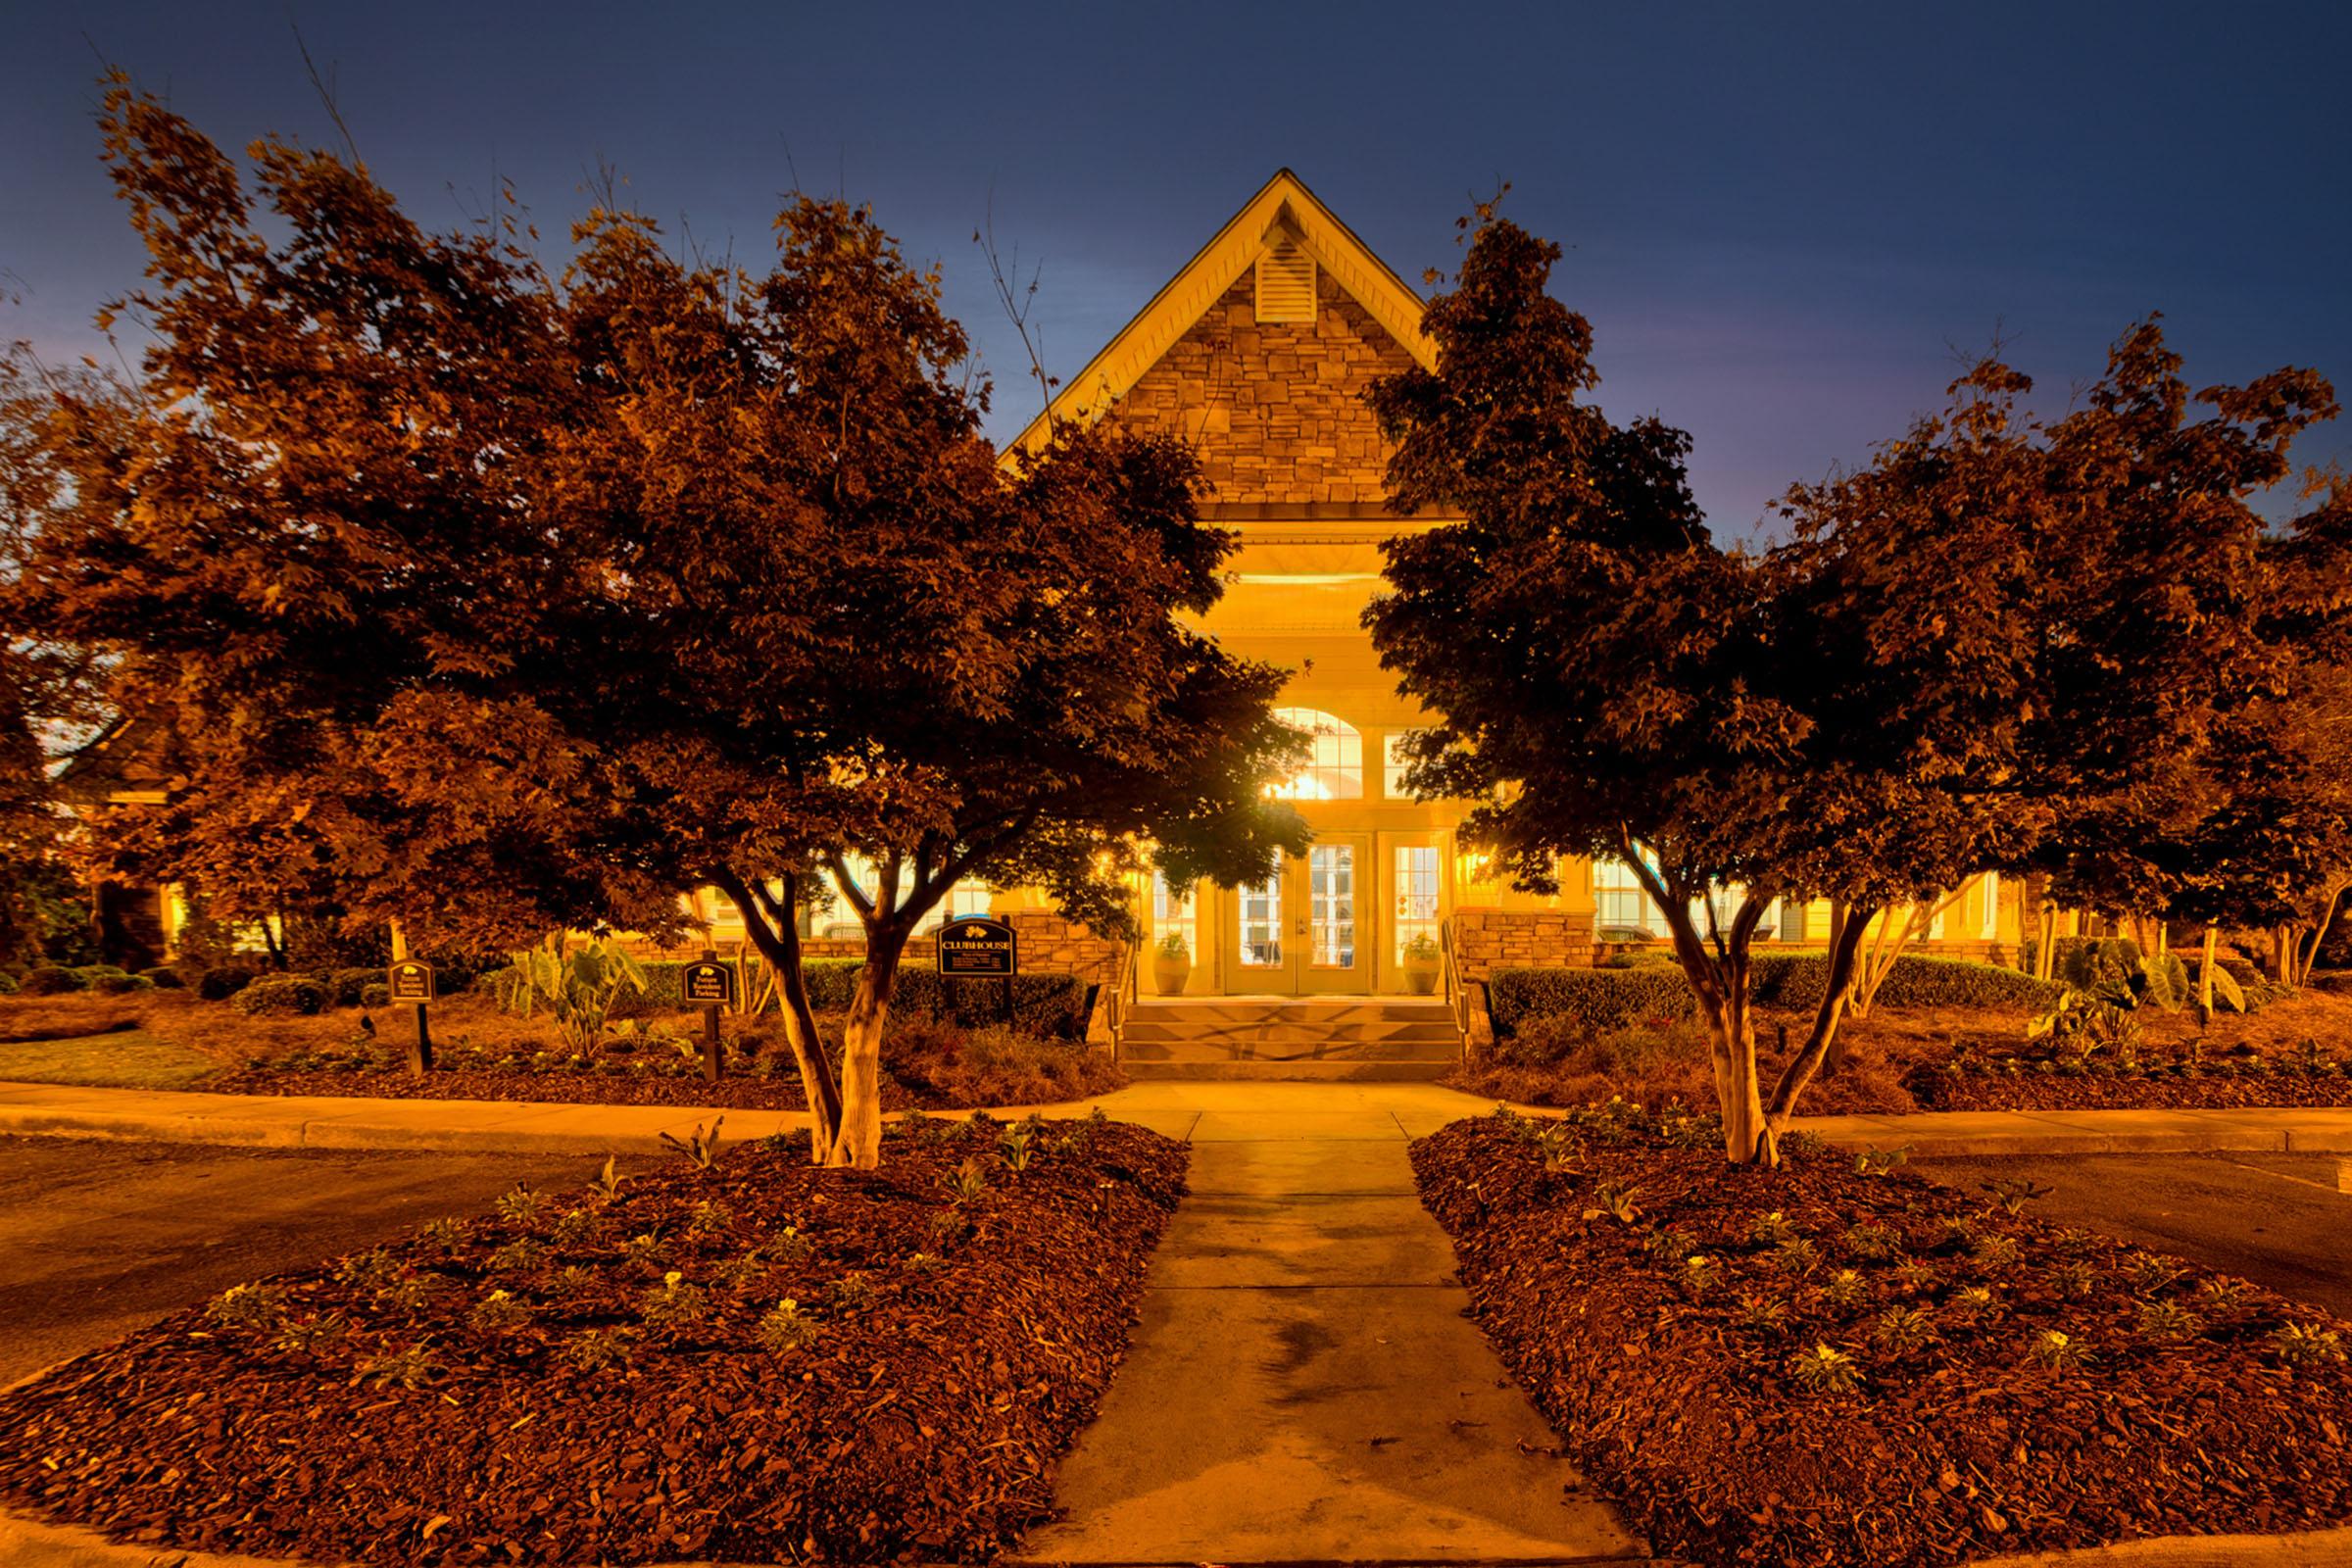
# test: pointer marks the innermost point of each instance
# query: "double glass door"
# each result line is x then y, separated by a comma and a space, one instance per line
1308, 927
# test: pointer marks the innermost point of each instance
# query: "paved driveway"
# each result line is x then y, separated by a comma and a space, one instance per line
2281, 1220
98, 1238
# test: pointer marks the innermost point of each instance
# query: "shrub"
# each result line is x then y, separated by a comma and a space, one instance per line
50, 980
1601, 1001
1051, 1007
375, 994
283, 995
344, 986
1595, 1000
117, 985
162, 977
1636, 1051
223, 981
8, 984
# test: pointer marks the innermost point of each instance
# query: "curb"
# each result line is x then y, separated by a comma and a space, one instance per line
34, 1543
2315, 1549
556, 1127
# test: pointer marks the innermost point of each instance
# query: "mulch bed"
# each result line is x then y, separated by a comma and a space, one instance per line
639, 1395
2209, 1089
1684, 1401
739, 1089
735, 1092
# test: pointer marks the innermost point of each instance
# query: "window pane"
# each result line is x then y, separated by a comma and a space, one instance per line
1335, 765
1331, 912
1393, 765
1172, 916
1261, 924
1416, 909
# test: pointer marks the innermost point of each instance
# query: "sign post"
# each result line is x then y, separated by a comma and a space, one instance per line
410, 984
978, 948
709, 985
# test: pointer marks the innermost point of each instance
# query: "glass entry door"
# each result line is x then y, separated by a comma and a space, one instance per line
1309, 927
1332, 923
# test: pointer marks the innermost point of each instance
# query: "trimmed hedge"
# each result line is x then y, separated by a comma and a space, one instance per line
164, 977
1604, 999
345, 986
1053, 1007
222, 982
115, 985
51, 980
299, 995
8, 984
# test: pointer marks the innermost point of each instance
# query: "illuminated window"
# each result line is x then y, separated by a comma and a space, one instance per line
1260, 933
1416, 895
968, 897
1393, 765
1334, 766
1619, 902
1990, 926
1173, 914
1331, 906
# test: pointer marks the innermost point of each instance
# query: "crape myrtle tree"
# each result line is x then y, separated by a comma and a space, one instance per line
863, 635
45, 690
1944, 661
488, 600
1609, 682
306, 543
2189, 747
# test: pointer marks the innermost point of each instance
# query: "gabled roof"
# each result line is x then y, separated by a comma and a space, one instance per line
1283, 203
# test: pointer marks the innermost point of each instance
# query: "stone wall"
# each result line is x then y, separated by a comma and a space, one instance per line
1276, 407
1488, 940
1053, 943
1050, 945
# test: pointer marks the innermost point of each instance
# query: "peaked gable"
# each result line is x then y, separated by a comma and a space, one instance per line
1201, 302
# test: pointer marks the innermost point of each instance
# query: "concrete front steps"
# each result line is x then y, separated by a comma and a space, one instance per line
1299, 1039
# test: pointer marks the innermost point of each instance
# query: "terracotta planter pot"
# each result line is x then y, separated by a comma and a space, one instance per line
1168, 975
1421, 982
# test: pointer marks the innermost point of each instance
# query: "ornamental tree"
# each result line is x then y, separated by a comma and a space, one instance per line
490, 600
874, 637
1941, 662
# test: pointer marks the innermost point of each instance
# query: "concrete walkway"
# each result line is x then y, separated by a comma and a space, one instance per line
1303, 1385
489, 1126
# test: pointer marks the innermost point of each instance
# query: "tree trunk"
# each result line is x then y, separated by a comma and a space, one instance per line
1823, 1042
859, 1141
779, 944
1747, 1138
2308, 956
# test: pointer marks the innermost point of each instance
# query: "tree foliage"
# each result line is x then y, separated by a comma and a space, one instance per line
491, 598
1962, 654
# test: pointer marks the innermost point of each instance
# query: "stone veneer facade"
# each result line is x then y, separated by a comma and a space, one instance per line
1049, 943
1488, 940
1276, 407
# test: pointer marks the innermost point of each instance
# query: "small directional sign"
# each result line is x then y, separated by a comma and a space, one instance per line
978, 948
708, 983
411, 981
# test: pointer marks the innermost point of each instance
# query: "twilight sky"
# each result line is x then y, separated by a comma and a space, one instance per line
1783, 219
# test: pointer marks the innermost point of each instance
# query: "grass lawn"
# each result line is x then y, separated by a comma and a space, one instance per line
131, 1058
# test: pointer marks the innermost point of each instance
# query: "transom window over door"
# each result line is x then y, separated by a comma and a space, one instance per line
1334, 766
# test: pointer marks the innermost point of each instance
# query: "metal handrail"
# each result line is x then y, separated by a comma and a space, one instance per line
1450, 977
1115, 1006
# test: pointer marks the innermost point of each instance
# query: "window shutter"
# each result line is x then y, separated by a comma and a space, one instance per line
1285, 282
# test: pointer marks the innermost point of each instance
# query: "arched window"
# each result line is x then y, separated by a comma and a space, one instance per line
1335, 767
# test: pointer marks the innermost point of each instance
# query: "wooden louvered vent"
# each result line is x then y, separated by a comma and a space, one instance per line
1285, 282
